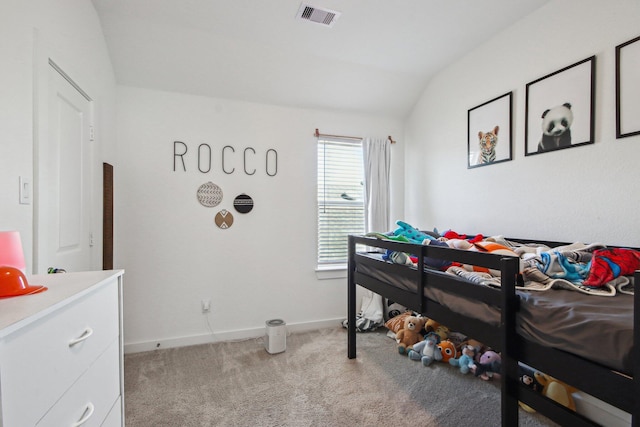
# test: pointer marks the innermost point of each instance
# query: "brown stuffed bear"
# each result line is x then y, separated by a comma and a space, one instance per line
410, 333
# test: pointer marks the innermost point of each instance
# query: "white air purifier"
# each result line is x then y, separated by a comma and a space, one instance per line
275, 340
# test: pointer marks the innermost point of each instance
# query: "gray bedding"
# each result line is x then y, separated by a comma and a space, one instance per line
596, 328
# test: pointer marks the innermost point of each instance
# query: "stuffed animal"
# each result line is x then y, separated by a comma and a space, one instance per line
526, 375
440, 330
413, 234
488, 142
478, 347
556, 390
448, 350
466, 361
556, 132
410, 334
546, 385
488, 366
427, 350
457, 338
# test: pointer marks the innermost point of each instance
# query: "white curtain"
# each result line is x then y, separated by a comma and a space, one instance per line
377, 166
376, 155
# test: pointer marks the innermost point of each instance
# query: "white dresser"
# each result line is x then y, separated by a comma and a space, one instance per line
61, 358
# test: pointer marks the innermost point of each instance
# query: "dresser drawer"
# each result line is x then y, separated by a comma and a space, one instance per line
88, 402
114, 419
42, 360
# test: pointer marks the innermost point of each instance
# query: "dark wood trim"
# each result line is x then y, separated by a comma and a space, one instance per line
107, 216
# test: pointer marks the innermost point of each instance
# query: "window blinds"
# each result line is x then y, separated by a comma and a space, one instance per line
340, 197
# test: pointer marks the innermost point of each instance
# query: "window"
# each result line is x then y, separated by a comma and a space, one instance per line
340, 197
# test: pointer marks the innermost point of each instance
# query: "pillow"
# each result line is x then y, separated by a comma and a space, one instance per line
396, 323
392, 309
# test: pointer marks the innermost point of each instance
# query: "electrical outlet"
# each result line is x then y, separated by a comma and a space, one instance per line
206, 305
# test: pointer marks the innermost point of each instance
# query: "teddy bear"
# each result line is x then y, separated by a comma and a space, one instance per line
488, 366
426, 350
466, 361
409, 334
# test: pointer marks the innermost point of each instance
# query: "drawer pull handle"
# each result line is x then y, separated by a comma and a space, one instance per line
86, 334
88, 412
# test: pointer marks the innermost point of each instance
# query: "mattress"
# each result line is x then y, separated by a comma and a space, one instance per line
593, 327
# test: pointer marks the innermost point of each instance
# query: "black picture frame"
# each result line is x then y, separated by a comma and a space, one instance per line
490, 132
628, 88
560, 109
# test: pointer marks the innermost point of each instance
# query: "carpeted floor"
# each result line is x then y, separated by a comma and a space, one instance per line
312, 383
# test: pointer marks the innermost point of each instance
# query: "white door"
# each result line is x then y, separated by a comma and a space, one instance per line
63, 204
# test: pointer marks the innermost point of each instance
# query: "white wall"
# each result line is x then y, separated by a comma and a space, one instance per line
31, 31
260, 268
584, 193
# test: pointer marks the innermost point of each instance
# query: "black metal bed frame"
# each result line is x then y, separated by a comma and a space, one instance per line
617, 389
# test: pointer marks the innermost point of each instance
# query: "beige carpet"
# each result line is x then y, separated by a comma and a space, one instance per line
312, 383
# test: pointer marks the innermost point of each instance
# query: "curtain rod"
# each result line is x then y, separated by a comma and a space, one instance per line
317, 134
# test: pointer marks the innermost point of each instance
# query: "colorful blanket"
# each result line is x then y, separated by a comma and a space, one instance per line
593, 269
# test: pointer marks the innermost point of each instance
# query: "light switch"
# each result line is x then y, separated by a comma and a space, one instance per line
25, 190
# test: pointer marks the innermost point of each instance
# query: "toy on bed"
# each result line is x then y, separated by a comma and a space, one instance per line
466, 361
427, 350
413, 234
407, 233
410, 334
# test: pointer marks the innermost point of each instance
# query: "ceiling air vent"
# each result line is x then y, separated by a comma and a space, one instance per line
324, 17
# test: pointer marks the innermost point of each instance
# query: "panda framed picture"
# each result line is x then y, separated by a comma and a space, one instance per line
489, 132
560, 109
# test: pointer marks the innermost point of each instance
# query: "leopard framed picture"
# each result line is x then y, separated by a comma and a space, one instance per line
489, 132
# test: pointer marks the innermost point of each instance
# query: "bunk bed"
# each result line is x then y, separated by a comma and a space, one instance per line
502, 318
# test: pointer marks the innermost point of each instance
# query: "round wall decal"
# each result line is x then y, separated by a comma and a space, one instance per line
243, 203
224, 219
209, 194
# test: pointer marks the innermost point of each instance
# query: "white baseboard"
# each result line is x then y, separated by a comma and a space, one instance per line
236, 335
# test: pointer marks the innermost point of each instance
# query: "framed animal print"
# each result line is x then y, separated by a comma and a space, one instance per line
628, 88
560, 109
489, 132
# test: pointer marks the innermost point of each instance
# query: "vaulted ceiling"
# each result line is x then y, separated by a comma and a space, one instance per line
376, 58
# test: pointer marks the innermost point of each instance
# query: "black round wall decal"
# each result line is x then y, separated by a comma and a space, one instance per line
243, 203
